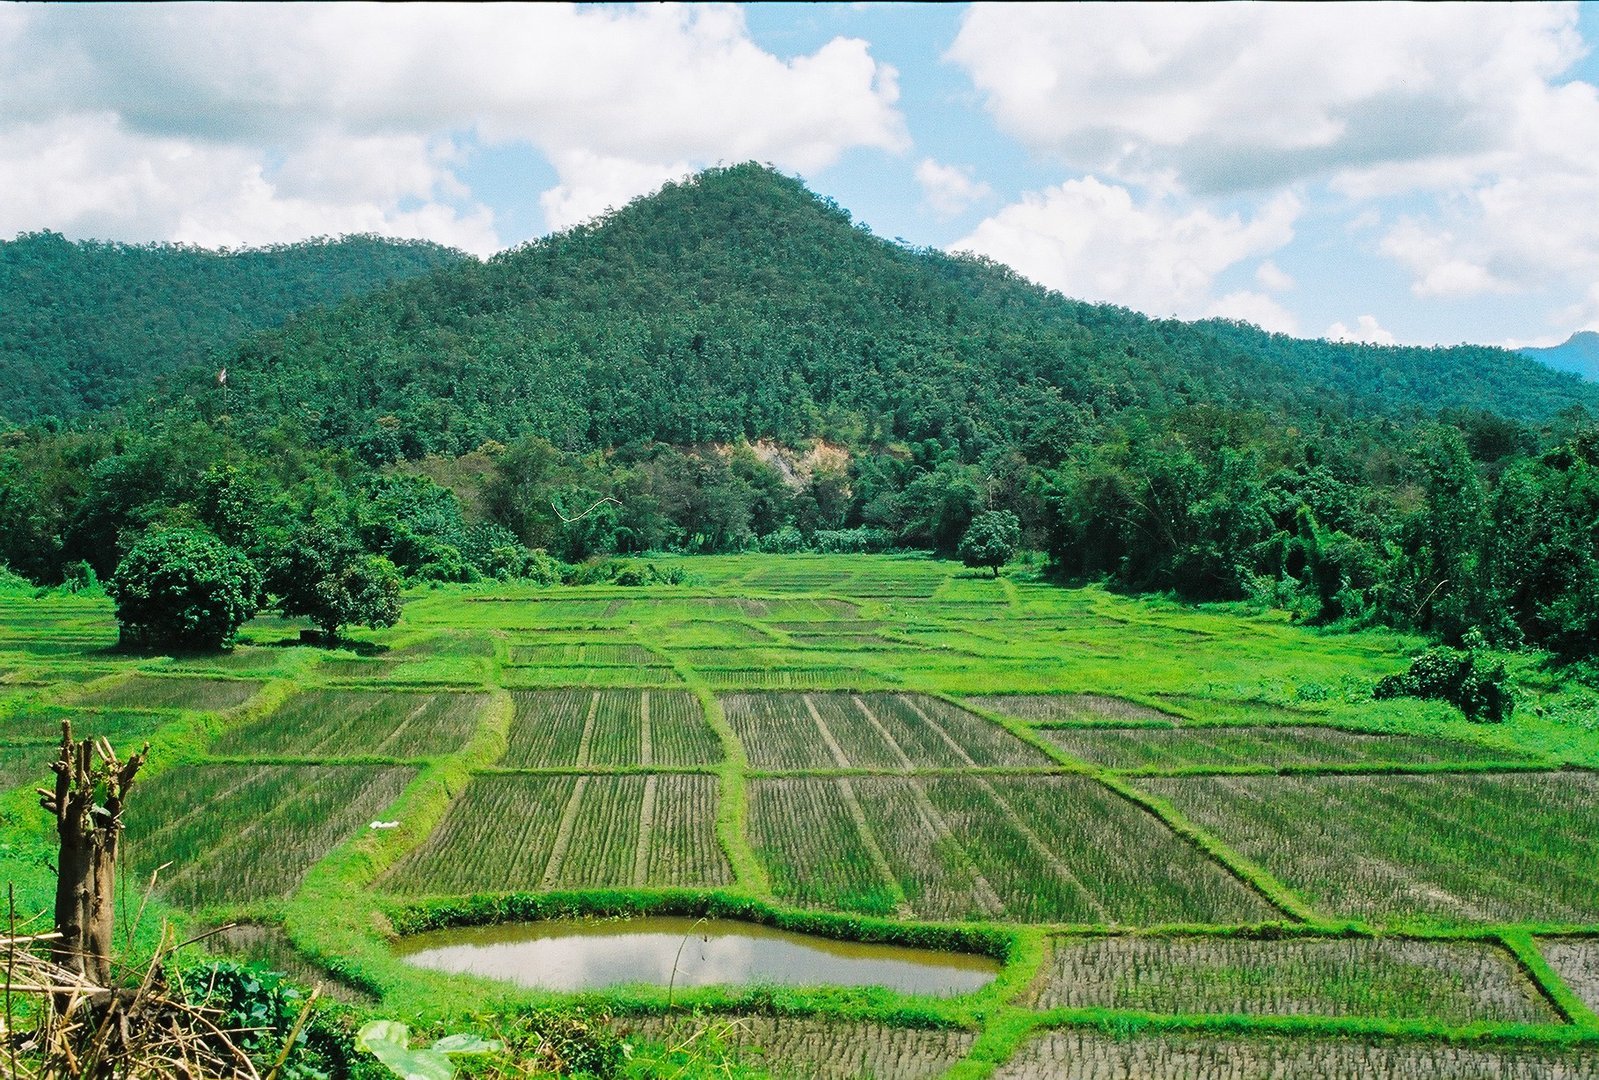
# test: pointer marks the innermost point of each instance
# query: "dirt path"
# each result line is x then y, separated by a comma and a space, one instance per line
563, 835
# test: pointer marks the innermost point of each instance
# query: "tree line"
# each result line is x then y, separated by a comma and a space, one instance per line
602, 392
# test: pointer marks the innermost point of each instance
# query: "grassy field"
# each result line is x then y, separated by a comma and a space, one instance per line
1197, 844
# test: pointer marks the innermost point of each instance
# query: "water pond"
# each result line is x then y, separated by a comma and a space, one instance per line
590, 955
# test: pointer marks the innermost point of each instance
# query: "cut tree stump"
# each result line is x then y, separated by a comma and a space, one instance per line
87, 803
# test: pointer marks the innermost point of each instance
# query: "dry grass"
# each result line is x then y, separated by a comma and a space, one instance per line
60, 1025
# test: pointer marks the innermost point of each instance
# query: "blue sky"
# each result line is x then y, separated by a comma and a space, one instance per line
1389, 172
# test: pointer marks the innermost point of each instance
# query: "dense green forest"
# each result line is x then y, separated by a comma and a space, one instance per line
86, 324
653, 366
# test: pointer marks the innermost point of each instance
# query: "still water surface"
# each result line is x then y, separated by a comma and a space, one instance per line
588, 955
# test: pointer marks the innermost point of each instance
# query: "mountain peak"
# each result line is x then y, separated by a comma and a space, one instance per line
1579, 354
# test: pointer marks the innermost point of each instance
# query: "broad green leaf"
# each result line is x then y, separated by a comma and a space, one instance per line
466, 1043
382, 1031
420, 1064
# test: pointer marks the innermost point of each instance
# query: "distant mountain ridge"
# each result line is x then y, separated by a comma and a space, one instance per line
739, 304
1578, 354
84, 325
735, 305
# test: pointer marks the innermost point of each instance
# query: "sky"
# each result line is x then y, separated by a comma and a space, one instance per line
1391, 173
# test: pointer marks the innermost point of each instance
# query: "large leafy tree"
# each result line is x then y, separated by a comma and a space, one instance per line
183, 588
991, 539
321, 573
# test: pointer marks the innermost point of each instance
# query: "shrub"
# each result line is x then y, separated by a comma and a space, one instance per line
784, 541
183, 587
623, 572
851, 541
260, 1009
1455, 676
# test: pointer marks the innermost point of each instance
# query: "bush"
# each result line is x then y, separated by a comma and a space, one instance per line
851, 541
183, 587
784, 541
259, 1008
1455, 676
623, 572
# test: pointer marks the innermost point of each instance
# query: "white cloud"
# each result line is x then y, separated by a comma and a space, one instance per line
1528, 221
950, 189
1367, 332
356, 112
88, 175
1091, 240
1257, 308
1241, 96
1465, 109
591, 185
1273, 278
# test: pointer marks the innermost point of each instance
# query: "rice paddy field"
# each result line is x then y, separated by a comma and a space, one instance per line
1195, 844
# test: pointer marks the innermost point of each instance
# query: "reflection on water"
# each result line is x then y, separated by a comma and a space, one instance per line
588, 955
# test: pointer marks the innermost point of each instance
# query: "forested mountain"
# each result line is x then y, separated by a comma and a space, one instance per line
83, 325
739, 304
651, 368
1579, 354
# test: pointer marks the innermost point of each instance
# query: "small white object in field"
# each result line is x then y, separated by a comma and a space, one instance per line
384, 825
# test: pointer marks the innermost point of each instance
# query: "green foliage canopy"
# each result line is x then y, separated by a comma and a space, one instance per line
87, 325
991, 539
183, 588
322, 573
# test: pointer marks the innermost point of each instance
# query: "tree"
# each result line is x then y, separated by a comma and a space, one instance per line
322, 574
183, 587
991, 539
86, 802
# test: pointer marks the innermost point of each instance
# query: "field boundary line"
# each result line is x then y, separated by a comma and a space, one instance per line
1022, 731
646, 827
272, 696
1440, 860
986, 895
1524, 952
732, 804
343, 723
938, 729
833, 748
877, 725
200, 808
1496, 1033
561, 770
1246, 870
1036, 842
585, 742
563, 834
933, 819
997, 1042
874, 850
323, 759
1369, 768
1252, 875
410, 718
645, 749
998, 771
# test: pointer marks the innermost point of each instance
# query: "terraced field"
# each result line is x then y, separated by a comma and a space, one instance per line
1197, 845
1458, 982
1503, 847
1086, 1054
322, 724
